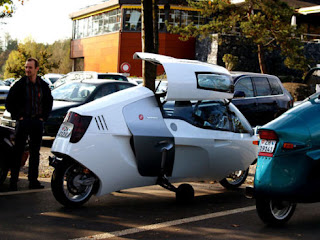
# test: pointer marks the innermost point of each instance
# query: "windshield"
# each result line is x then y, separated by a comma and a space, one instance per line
73, 92
1, 83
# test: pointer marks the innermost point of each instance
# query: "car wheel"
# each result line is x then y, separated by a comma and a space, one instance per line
72, 185
274, 212
184, 193
235, 179
3, 174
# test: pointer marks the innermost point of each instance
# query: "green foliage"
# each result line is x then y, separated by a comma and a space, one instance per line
52, 58
7, 7
230, 61
61, 56
265, 22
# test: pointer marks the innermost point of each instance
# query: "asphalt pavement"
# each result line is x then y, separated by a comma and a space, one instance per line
148, 213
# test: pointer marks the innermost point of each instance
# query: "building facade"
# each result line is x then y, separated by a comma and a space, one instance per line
106, 36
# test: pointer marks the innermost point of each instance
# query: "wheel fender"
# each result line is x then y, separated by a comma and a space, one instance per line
314, 154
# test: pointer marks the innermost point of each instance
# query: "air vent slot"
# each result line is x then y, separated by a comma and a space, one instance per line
101, 123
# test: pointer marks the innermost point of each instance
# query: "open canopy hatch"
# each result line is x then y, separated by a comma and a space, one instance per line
192, 80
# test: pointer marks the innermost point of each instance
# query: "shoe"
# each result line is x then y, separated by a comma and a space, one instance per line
13, 187
35, 185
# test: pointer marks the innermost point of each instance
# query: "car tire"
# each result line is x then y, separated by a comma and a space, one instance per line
184, 193
275, 212
235, 179
67, 187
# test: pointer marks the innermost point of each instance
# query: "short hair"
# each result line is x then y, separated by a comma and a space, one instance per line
36, 62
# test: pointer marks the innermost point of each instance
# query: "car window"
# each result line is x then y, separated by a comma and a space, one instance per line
213, 115
105, 90
114, 77
122, 86
275, 86
262, 86
214, 81
245, 85
73, 92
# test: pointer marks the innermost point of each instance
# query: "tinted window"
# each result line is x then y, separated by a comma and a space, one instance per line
114, 77
122, 86
245, 85
262, 86
275, 86
105, 90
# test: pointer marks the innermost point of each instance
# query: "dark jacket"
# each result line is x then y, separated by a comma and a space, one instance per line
17, 97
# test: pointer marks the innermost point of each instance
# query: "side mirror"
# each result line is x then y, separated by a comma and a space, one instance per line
239, 94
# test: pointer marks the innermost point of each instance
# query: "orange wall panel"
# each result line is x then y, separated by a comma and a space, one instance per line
169, 44
106, 53
100, 53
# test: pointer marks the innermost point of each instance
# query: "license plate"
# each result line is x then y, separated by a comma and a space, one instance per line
65, 129
267, 146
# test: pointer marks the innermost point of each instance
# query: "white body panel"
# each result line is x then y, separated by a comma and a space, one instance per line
181, 75
199, 153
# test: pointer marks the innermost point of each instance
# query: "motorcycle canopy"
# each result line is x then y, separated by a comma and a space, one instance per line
192, 80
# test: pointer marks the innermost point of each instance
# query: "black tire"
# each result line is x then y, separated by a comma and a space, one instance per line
235, 179
275, 212
184, 193
3, 174
66, 187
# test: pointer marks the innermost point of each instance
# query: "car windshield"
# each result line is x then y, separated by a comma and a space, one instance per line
1, 83
73, 92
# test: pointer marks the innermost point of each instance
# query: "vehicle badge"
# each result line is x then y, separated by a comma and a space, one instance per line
141, 117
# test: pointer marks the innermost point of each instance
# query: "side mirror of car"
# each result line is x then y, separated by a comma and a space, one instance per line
239, 94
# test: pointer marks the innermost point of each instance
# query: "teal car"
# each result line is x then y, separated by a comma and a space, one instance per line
288, 164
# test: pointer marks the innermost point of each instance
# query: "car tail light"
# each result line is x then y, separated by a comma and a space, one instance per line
288, 146
268, 142
268, 135
80, 125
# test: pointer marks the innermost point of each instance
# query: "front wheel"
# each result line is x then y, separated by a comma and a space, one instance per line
72, 185
235, 179
275, 212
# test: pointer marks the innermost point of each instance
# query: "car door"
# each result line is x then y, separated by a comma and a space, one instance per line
207, 143
247, 104
267, 103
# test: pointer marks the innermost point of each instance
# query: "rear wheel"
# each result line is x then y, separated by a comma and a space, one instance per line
274, 212
72, 185
235, 179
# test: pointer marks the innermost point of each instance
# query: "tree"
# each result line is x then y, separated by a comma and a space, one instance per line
265, 22
7, 7
15, 64
9, 45
60, 51
150, 41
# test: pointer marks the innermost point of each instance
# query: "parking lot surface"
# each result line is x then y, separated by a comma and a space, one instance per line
147, 213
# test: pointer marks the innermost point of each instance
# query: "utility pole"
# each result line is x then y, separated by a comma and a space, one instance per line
150, 40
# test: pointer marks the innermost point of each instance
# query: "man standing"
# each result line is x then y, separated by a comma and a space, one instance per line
30, 102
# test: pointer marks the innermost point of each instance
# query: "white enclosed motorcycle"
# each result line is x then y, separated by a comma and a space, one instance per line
136, 138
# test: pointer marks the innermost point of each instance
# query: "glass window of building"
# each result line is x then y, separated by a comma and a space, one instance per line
97, 24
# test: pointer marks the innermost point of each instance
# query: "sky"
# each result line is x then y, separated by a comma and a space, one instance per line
45, 21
